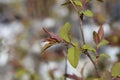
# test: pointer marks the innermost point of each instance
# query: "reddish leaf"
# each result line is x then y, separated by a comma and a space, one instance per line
96, 37
53, 36
46, 47
101, 33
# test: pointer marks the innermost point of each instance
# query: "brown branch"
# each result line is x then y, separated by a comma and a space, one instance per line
83, 39
96, 67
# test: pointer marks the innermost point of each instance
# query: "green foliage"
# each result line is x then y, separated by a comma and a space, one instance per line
89, 47
115, 71
88, 13
20, 73
104, 55
73, 55
64, 32
102, 43
78, 3
66, 3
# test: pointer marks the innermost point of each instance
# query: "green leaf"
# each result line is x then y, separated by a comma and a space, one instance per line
64, 32
66, 3
73, 55
102, 43
116, 69
104, 55
88, 47
20, 73
78, 3
88, 13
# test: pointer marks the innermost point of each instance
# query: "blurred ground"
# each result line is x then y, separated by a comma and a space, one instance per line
21, 37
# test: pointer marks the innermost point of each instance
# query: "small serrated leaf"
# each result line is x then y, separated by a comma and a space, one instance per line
115, 69
64, 32
88, 47
78, 3
104, 55
101, 32
73, 55
88, 13
102, 43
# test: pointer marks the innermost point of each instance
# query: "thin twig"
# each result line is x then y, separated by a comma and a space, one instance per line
65, 78
96, 67
81, 28
83, 39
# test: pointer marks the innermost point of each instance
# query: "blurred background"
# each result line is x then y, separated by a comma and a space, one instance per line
21, 37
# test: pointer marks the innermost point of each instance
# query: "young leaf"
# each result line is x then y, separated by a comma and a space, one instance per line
96, 37
115, 69
66, 3
64, 32
46, 47
78, 3
104, 55
102, 43
101, 32
88, 47
53, 36
73, 55
88, 13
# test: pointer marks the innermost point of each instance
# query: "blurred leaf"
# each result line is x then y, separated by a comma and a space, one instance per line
102, 43
101, 33
115, 69
78, 3
96, 37
104, 55
73, 55
106, 76
88, 0
64, 32
34, 76
66, 3
20, 73
88, 13
88, 47
100, 0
